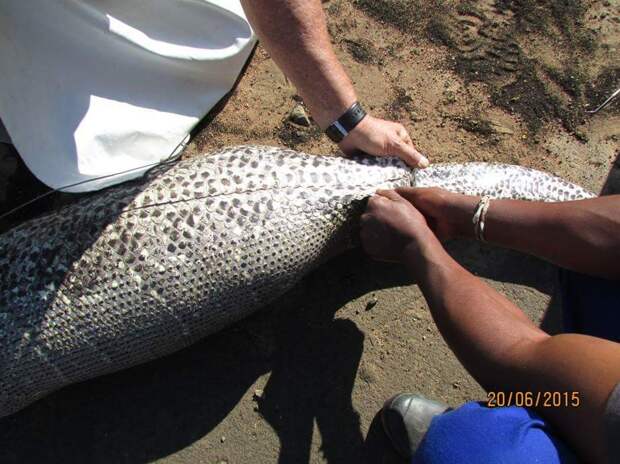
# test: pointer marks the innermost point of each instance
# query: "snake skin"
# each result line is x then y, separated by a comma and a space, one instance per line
147, 268
499, 181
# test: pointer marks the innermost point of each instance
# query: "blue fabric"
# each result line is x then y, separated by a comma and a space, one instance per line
475, 434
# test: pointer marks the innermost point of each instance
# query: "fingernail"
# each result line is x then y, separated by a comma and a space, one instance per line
423, 163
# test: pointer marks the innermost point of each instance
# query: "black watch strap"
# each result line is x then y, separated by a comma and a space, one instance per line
340, 128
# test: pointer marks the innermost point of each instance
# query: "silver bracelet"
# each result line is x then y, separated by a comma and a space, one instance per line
479, 217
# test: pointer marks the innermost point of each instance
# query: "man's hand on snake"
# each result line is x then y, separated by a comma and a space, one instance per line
379, 137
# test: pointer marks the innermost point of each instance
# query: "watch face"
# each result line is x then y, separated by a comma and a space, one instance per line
358, 112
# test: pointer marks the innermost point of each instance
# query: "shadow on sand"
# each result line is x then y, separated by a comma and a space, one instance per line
156, 409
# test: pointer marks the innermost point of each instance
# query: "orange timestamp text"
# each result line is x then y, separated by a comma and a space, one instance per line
545, 399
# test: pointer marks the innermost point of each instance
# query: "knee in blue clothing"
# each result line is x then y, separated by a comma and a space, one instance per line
474, 434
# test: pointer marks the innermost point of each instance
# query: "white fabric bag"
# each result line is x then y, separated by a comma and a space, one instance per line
92, 88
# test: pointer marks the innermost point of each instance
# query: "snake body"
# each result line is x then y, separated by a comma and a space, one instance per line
147, 268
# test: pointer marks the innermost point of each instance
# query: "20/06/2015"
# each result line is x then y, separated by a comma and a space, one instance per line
547, 399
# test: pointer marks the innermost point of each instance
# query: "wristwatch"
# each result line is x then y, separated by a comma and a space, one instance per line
340, 128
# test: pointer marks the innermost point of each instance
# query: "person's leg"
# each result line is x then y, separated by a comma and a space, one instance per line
591, 305
475, 434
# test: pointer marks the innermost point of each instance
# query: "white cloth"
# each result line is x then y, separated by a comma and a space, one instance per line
92, 88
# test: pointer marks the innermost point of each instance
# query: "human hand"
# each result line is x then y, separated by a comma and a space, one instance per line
390, 225
448, 214
383, 138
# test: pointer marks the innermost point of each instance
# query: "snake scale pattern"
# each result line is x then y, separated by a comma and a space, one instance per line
144, 269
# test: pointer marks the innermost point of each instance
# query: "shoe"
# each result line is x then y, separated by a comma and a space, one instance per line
406, 419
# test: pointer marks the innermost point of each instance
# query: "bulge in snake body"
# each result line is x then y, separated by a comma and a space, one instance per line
144, 269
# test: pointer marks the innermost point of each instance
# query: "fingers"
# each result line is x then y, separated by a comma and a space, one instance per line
380, 205
371, 228
374, 203
411, 194
410, 155
406, 151
383, 138
405, 203
390, 194
404, 135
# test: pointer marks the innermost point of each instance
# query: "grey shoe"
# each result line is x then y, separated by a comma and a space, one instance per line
406, 419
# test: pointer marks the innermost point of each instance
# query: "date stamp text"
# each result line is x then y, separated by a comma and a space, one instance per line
545, 399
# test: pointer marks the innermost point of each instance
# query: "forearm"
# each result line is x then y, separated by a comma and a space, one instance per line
480, 325
504, 351
579, 235
294, 32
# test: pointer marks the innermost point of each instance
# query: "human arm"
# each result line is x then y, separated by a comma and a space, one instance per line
500, 347
578, 235
294, 32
